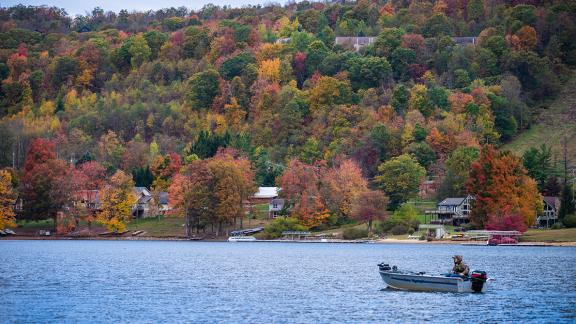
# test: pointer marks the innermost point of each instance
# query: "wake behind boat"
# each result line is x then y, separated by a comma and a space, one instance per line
420, 281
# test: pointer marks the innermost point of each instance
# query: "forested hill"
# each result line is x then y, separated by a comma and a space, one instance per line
278, 82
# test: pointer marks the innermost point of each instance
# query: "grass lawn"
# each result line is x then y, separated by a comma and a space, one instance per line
35, 225
556, 120
260, 211
546, 235
159, 227
173, 226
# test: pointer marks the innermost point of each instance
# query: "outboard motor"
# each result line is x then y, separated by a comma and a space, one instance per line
478, 279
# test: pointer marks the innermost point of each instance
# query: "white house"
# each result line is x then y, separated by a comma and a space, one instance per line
275, 207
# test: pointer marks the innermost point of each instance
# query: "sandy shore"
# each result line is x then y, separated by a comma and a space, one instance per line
177, 238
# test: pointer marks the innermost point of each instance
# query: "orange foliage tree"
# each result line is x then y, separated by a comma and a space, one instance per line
299, 184
458, 101
499, 182
341, 185
7, 199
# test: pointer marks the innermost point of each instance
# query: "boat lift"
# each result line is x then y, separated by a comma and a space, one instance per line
495, 237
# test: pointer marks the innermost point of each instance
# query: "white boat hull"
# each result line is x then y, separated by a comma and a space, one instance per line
402, 281
241, 239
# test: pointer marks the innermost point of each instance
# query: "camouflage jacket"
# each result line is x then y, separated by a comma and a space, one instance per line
461, 268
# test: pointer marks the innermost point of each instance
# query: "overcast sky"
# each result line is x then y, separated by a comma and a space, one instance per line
75, 7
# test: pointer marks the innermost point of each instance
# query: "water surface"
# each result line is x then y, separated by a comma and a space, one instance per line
154, 281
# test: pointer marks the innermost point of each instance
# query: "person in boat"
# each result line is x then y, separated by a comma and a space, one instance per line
460, 268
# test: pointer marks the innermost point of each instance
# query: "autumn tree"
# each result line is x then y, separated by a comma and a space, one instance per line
192, 195
299, 184
203, 88
499, 181
118, 200
341, 185
400, 178
7, 200
370, 205
45, 184
233, 184
139, 50
457, 172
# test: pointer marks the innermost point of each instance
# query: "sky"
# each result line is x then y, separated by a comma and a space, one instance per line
76, 7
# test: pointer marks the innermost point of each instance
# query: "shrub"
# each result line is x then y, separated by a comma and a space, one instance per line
354, 233
557, 225
569, 220
281, 224
410, 231
399, 229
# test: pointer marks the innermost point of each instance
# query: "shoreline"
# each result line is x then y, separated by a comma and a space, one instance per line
178, 238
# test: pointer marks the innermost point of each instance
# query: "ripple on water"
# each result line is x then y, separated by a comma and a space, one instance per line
140, 281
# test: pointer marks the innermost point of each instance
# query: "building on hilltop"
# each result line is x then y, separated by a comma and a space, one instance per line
355, 43
463, 41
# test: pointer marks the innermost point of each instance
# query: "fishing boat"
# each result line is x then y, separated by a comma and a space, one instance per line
241, 239
420, 281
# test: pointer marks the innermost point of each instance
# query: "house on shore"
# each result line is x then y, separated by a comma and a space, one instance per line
455, 211
89, 199
275, 207
268, 195
163, 202
549, 215
427, 189
145, 203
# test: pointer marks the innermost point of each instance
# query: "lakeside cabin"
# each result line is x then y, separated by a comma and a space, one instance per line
455, 211
268, 195
549, 215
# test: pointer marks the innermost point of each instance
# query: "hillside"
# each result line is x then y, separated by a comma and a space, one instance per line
344, 106
556, 120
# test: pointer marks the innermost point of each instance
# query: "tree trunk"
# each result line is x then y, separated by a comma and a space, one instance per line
55, 219
369, 227
187, 224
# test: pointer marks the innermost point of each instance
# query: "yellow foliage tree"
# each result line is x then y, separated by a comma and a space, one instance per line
270, 70
7, 199
234, 114
117, 200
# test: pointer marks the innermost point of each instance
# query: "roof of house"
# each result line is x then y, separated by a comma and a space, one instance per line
551, 200
452, 201
144, 199
278, 201
142, 191
266, 192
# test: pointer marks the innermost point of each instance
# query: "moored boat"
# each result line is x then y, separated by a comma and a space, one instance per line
420, 281
241, 239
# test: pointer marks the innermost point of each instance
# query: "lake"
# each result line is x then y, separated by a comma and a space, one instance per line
176, 281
